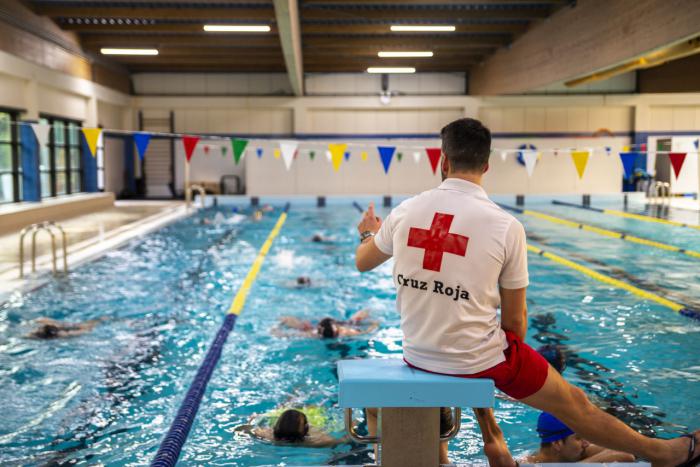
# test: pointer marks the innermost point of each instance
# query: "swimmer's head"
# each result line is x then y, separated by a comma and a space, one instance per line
292, 426
317, 238
46, 331
327, 328
303, 280
553, 354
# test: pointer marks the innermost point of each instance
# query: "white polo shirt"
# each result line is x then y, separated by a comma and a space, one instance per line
452, 248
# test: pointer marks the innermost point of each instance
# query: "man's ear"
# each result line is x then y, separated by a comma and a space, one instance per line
486, 167
558, 445
445, 164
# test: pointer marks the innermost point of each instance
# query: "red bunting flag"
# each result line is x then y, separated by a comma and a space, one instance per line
434, 156
189, 142
206, 149
677, 159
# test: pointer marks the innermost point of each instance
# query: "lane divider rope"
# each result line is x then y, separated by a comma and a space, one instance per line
171, 446
677, 307
628, 215
604, 232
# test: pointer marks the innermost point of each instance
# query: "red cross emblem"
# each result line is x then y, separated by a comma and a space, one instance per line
437, 240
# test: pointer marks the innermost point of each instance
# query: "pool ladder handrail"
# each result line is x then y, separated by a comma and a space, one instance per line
362, 439
47, 226
662, 191
200, 191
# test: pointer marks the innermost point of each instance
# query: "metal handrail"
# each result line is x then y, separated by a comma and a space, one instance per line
47, 226
200, 191
350, 428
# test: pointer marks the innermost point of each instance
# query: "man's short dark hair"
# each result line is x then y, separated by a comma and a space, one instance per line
327, 328
467, 144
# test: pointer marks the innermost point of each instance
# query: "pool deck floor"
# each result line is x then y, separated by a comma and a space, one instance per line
87, 236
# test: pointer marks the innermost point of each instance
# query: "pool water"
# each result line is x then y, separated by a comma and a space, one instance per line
108, 396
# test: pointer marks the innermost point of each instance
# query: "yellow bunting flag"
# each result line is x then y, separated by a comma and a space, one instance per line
363, 155
91, 136
580, 159
337, 152
277, 153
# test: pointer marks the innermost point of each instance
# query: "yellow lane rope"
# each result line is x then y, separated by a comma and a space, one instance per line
677, 307
242, 294
611, 233
641, 217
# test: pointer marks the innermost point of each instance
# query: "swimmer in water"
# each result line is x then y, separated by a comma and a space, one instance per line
257, 215
559, 444
51, 329
292, 428
329, 328
303, 281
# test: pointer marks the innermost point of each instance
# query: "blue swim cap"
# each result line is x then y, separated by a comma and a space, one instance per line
551, 429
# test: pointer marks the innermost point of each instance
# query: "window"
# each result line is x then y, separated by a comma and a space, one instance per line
10, 167
60, 163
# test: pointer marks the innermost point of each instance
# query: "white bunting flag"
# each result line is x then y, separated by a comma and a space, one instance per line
328, 156
530, 158
504, 155
288, 149
416, 157
41, 130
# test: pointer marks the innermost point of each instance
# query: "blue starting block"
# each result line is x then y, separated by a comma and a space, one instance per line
392, 383
409, 402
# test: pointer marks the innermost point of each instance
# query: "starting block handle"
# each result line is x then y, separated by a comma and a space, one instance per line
350, 428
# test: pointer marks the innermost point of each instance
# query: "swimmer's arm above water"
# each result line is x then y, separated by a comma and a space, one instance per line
367, 255
296, 323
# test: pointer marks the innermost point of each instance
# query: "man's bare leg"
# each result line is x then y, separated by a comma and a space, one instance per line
495, 446
571, 405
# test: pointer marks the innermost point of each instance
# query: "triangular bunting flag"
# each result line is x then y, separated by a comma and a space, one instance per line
363, 156
608, 150
530, 158
224, 151
141, 140
580, 159
386, 153
697, 144
347, 155
416, 157
41, 131
206, 149
677, 159
259, 152
504, 156
434, 157
337, 151
399, 156
276, 153
312, 154
91, 136
328, 156
238, 146
288, 150
189, 142
628, 159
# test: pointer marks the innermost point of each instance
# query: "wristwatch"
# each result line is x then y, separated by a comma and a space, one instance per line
365, 235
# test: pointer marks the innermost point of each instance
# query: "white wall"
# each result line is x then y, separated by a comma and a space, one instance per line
211, 84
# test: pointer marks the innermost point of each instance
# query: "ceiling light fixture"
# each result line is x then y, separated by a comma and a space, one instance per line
236, 28
388, 70
399, 54
419, 28
108, 51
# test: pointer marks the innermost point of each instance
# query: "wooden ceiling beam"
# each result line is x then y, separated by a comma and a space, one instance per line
196, 28
433, 2
308, 12
404, 42
155, 40
266, 13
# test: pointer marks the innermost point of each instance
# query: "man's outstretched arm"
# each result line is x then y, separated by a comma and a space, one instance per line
367, 255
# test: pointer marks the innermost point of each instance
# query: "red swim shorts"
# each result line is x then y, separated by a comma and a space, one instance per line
521, 375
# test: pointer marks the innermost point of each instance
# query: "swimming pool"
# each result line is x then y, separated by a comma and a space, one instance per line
108, 396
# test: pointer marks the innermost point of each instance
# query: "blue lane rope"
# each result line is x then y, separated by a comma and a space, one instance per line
171, 446
573, 205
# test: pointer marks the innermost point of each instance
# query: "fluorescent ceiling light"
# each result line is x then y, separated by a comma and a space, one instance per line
388, 54
108, 51
236, 28
391, 70
416, 28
